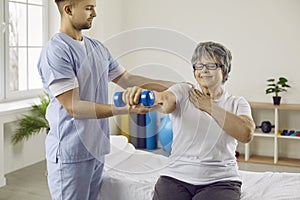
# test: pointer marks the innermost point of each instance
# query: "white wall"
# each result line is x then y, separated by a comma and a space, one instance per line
24, 153
263, 36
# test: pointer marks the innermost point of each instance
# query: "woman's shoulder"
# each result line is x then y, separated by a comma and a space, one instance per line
236, 100
181, 90
182, 86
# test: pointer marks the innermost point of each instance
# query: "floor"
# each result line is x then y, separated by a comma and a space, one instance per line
30, 183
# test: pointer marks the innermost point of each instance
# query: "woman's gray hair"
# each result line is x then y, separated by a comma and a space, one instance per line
215, 51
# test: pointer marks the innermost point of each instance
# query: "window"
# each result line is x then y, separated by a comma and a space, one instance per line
24, 33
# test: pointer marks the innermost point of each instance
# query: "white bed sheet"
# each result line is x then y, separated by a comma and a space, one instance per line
131, 174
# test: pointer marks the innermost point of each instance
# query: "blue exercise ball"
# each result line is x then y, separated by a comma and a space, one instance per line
165, 133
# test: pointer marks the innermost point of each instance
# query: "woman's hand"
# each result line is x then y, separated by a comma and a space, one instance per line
200, 100
138, 109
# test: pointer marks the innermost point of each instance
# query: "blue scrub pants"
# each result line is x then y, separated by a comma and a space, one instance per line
75, 181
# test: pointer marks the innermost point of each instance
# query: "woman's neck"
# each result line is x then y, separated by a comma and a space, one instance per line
214, 93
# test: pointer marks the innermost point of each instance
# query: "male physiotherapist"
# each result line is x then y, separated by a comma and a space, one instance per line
75, 71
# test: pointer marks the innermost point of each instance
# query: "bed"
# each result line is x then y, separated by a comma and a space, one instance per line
130, 174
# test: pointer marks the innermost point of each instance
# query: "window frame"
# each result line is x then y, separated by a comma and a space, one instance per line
2, 57
5, 93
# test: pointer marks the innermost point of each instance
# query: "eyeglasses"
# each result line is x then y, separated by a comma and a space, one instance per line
209, 66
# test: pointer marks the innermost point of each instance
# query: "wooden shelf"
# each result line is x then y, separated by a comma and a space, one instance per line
260, 105
289, 137
271, 135
290, 162
259, 108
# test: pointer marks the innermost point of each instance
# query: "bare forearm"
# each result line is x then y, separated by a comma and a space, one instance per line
91, 110
129, 80
158, 85
239, 127
165, 102
80, 109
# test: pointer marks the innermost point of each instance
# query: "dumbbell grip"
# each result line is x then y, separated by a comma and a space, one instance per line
147, 98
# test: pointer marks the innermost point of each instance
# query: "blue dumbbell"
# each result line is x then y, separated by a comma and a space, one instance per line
147, 98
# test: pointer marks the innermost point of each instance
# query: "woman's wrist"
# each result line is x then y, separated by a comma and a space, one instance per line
157, 97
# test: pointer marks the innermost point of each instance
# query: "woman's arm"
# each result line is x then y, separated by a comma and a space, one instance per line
241, 127
165, 102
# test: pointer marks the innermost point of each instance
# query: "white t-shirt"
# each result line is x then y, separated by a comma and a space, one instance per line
202, 152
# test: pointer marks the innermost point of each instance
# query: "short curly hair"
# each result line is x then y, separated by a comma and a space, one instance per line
215, 51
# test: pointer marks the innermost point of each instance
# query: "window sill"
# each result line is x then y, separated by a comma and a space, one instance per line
8, 108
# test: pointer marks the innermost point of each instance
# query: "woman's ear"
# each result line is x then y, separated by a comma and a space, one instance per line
194, 72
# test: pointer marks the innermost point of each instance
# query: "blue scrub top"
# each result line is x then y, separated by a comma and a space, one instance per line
70, 139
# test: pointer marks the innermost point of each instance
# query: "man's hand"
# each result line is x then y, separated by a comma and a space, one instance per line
131, 95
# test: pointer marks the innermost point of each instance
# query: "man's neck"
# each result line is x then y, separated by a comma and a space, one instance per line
75, 34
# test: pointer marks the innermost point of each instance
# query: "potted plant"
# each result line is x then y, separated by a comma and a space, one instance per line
276, 87
34, 123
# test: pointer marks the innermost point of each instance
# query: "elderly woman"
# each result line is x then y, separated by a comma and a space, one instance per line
207, 122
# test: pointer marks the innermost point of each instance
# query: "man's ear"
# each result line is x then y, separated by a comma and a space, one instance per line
68, 9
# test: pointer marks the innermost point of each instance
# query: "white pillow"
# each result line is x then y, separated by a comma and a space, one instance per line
120, 151
117, 143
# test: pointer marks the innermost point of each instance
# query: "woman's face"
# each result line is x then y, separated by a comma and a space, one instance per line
209, 78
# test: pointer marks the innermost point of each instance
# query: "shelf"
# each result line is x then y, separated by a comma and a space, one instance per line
289, 137
260, 111
291, 162
272, 106
271, 135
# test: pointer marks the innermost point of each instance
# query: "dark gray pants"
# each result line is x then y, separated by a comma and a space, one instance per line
168, 188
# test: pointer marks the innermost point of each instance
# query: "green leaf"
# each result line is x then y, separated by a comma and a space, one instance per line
278, 86
286, 86
282, 79
270, 90
32, 124
28, 126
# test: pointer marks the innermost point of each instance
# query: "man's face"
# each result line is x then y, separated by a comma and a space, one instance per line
83, 13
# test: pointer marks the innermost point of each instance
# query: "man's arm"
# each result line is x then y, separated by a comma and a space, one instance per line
137, 84
126, 80
77, 108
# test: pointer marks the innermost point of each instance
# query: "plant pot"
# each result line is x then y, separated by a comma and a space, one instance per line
276, 100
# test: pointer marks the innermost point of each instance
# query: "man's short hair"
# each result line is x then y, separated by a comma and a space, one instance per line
59, 4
